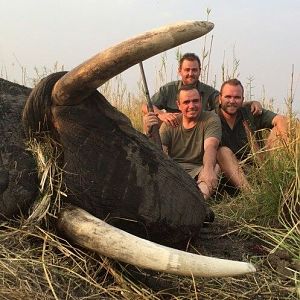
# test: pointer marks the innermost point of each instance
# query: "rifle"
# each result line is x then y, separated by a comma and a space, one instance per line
154, 130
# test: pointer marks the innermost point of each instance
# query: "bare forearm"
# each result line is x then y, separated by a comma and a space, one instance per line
207, 178
209, 157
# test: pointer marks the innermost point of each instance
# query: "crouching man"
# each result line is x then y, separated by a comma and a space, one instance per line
195, 141
238, 131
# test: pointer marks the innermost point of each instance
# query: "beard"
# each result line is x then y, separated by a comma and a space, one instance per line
230, 109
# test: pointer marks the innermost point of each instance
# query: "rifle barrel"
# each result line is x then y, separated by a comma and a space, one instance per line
146, 90
154, 130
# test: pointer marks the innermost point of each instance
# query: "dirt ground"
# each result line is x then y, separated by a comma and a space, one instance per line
273, 279
224, 240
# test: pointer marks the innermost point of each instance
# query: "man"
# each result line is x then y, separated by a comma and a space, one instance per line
238, 129
195, 141
189, 69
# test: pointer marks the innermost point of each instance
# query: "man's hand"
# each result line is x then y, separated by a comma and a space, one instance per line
209, 177
169, 118
256, 108
149, 120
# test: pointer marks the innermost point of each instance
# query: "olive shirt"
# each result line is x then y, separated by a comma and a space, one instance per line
186, 146
236, 138
165, 98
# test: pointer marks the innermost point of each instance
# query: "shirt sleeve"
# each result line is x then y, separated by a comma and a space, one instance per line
265, 119
213, 127
159, 98
165, 135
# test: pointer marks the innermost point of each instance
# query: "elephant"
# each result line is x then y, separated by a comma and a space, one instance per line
124, 197
18, 177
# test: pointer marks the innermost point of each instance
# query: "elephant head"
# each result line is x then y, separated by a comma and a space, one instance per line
113, 173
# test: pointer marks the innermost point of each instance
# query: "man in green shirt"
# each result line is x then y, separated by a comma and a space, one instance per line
238, 131
164, 101
195, 141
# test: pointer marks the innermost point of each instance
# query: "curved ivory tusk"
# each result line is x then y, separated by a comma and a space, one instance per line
91, 74
94, 234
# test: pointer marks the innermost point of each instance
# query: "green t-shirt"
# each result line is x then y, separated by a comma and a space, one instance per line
165, 98
186, 146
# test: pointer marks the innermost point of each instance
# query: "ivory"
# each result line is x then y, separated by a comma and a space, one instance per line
94, 234
79, 82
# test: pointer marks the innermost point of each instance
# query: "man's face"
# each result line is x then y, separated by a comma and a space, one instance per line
231, 99
189, 71
190, 104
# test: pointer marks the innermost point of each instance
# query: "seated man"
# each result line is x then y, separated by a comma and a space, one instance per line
195, 141
238, 128
164, 101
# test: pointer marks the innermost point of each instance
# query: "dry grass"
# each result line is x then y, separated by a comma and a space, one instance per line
37, 264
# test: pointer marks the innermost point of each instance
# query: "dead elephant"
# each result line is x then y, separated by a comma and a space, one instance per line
18, 178
113, 172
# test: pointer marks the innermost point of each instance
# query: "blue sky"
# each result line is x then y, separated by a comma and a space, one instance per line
264, 35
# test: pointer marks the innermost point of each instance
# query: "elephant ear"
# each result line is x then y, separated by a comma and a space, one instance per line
77, 84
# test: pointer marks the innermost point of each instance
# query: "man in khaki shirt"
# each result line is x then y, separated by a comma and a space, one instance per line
194, 142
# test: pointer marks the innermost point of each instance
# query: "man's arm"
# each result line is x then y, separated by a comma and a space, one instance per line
149, 119
208, 173
255, 107
280, 127
165, 149
166, 117
281, 124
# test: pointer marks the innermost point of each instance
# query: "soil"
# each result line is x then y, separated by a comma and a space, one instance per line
223, 240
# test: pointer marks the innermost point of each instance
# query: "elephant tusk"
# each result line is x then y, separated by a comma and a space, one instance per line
94, 234
82, 80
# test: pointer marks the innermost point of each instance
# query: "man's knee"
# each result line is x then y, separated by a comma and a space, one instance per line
273, 139
224, 153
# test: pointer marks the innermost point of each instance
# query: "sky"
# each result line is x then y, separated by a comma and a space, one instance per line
263, 37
